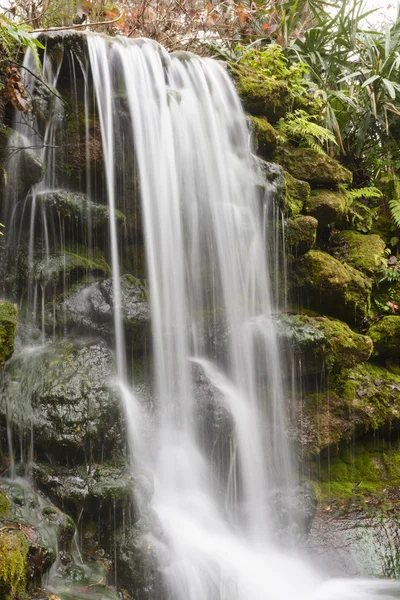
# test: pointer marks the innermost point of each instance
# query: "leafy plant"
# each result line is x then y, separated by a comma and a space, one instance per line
394, 206
300, 127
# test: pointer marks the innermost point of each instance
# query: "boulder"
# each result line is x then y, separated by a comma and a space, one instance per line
68, 265
89, 309
265, 136
262, 95
296, 195
320, 341
330, 287
301, 234
363, 252
8, 326
85, 490
63, 390
311, 166
327, 206
386, 337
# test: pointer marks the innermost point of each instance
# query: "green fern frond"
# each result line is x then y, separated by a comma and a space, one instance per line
394, 206
299, 127
364, 193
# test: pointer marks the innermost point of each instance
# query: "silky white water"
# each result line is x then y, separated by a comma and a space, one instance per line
216, 530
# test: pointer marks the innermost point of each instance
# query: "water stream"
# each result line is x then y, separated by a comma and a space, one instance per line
220, 489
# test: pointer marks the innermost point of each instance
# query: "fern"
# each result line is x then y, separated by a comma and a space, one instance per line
364, 193
394, 206
299, 127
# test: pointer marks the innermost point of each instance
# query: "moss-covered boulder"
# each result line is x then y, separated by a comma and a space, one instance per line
362, 399
295, 195
386, 337
13, 564
69, 265
321, 341
311, 166
363, 252
8, 326
265, 136
262, 96
301, 234
321, 282
327, 206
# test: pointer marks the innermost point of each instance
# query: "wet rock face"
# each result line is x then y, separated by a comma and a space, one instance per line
41, 528
26, 169
90, 310
75, 414
86, 490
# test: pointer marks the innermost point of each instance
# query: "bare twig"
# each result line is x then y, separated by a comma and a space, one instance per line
50, 29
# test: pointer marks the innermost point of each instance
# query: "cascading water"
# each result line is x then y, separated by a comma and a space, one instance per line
215, 450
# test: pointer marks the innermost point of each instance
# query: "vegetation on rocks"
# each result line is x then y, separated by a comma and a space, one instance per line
330, 287
301, 234
8, 326
386, 337
312, 166
327, 206
13, 564
296, 195
363, 252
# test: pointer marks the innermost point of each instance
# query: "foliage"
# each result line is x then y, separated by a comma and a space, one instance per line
300, 127
394, 206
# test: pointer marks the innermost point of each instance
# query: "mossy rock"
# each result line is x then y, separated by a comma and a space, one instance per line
13, 564
265, 136
70, 205
386, 337
363, 252
327, 206
5, 505
311, 166
330, 287
361, 399
54, 268
296, 195
320, 341
261, 95
301, 234
8, 326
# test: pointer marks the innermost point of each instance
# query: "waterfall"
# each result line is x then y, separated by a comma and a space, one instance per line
215, 448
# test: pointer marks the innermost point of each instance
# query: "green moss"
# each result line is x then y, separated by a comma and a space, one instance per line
301, 234
265, 134
363, 252
319, 340
53, 268
356, 474
13, 564
311, 166
296, 195
330, 287
386, 337
327, 206
5, 505
8, 326
371, 394
262, 95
